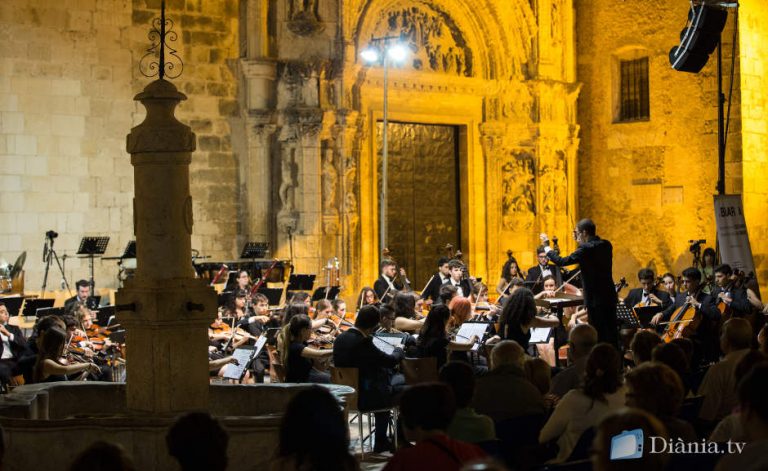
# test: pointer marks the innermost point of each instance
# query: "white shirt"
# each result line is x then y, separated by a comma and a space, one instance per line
7, 353
457, 284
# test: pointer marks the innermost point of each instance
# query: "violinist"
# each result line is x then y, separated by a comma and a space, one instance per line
388, 285
670, 285
483, 310
509, 271
536, 274
367, 296
730, 298
297, 356
648, 293
51, 366
462, 285
431, 292
406, 318
340, 310
705, 337
12, 343
243, 281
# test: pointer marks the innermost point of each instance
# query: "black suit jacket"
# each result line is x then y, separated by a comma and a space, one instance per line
381, 286
432, 291
595, 259
466, 286
636, 295
705, 339
352, 349
740, 305
18, 344
535, 282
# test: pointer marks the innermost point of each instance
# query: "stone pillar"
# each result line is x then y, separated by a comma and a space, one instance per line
167, 362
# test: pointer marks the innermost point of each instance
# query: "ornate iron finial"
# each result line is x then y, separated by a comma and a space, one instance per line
154, 61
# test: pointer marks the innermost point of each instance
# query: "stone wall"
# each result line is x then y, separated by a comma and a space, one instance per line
68, 74
648, 185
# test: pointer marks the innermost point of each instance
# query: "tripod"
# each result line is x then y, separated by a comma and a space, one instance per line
49, 254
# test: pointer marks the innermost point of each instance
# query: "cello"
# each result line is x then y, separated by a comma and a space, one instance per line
685, 321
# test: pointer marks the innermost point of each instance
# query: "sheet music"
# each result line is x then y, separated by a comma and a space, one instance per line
540, 334
383, 345
468, 329
243, 355
394, 340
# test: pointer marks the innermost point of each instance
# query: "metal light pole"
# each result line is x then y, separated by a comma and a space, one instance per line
381, 49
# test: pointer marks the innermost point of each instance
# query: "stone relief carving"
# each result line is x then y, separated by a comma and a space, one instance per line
287, 218
330, 181
435, 42
303, 18
298, 86
518, 180
560, 182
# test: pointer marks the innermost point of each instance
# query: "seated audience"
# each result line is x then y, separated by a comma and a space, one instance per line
505, 393
673, 356
718, 386
426, 411
538, 372
198, 442
753, 390
467, 425
642, 345
583, 408
655, 388
103, 456
730, 427
297, 356
314, 434
581, 339
378, 381
622, 420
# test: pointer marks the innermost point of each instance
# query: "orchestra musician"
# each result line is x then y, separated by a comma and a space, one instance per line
708, 258
387, 285
595, 258
463, 285
517, 318
648, 293
83, 293
406, 317
12, 344
509, 271
367, 296
243, 281
536, 274
51, 366
378, 381
670, 285
431, 293
297, 356
705, 338
733, 298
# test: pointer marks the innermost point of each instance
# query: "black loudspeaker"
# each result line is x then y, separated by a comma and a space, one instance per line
698, 39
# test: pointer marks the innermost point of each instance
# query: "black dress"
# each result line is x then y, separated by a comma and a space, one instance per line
434, 347
298, 368
515, 332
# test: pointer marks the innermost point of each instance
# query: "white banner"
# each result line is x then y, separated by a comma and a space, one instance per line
732, 234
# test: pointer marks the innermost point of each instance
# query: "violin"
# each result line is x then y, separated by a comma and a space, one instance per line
387, 254
738, 280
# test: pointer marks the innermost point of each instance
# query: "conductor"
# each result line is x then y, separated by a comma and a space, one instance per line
595, 258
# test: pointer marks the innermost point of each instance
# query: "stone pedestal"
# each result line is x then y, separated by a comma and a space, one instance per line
167, 363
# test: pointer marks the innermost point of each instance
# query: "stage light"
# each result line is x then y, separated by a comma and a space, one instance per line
370, 55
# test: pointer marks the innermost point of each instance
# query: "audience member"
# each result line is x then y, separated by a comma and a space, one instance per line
581, 339
730, 427
656, 388
314, 434
426, 411
583, 408
752, 392
198, 442
718, 386
467, 425
673, 356
505, 393
642, 345
539, 373
622, 420
102, 456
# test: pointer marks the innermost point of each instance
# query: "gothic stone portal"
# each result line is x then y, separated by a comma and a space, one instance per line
423, 195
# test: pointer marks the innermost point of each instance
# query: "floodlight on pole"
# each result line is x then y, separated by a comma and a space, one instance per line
384, 49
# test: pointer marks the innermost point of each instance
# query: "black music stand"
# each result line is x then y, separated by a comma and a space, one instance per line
49, 311
333, 293
254, 250
32, 305
626, 317
273, 295
91, 247
130, 250
299, 282
13, 304
224, 297
104, 314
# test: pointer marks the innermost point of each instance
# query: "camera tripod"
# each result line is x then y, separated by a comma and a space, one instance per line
49, 255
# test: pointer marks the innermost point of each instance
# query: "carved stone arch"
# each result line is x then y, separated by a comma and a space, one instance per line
499, 37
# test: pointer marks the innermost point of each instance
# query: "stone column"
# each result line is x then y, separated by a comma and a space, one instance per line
167, 362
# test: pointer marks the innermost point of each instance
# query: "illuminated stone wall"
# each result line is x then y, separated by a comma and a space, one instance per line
68, 74
648, 185
754, 110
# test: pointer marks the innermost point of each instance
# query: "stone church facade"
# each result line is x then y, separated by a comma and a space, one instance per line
288, 123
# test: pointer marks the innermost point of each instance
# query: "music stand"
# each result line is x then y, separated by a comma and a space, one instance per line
49, 311
104, 314
254, 250
627, 317
90, 247
645, 314
273, 295
319, 293
130, 250
32, 305
13, 305
224, 297
299, 282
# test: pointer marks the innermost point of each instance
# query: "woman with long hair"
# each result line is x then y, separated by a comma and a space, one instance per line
297, 356
50, 365
314, 435
509, 271
367, 296
519, 315
434, 340
404, 305
461, 312
583, 408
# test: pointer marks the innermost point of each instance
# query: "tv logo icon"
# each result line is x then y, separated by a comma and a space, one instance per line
628, 445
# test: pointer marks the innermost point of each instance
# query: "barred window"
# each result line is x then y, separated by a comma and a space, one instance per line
633, 93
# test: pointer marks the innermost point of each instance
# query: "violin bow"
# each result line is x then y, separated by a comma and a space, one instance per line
568, 280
